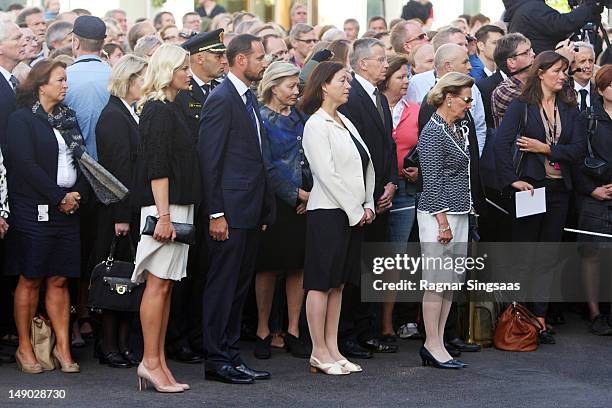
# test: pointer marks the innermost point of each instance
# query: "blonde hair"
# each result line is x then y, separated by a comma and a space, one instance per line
275, 74
451, 83
165, 61
122, 74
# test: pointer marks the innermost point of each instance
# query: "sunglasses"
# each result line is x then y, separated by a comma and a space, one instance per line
418, 37
467, 99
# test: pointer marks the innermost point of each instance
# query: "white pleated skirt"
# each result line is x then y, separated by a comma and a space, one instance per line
164, 260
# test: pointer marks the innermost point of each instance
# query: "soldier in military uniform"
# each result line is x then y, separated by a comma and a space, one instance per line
184, 336
208, 65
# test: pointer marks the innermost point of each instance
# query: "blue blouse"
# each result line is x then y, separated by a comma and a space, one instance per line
290, 170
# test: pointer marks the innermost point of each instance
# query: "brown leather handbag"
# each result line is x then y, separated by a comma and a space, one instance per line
517, 329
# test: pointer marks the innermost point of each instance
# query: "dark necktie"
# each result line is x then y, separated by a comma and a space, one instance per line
14, 82
379, 107
250, 107
206, 88
583, 99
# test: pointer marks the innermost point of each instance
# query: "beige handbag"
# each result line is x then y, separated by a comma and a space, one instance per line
43, 341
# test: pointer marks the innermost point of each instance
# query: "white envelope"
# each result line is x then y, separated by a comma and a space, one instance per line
527, 204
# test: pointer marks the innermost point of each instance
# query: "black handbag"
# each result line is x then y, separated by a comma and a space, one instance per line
517, 154
412, 158
110, 285
593, 166
185, 233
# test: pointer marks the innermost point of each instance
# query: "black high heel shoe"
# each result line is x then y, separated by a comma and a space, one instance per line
460, 363
428, 359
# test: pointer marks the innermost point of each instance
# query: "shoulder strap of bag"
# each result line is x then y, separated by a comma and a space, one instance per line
590, 132
527, 315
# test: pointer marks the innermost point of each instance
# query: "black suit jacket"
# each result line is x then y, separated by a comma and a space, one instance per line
7, 106
377, 135
32, 169
117, 142
568, 152
465, 125
191, 103
486, 87
234, 170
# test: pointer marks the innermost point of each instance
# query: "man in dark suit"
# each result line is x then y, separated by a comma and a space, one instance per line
12, 50
184, 337
239, 204
367, 108
208, 62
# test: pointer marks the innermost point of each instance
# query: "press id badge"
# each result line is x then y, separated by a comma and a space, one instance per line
43, 213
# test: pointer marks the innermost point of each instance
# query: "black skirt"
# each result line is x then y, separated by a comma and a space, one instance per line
333, 250
595, 216
283, 243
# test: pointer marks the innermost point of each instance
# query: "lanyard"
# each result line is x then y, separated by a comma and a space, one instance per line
552, 130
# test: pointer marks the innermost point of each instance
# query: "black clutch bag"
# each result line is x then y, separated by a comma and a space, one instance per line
185, 233
110, 285
412, 158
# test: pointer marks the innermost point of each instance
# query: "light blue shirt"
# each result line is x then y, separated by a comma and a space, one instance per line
88, 95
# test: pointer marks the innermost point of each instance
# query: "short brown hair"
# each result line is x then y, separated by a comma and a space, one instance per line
603, 77
27, 92
396, 62
532, 90
323, 73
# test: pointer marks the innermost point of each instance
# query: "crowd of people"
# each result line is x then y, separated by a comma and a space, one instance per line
261, 157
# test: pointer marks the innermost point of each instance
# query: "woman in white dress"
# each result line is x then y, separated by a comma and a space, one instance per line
170, 182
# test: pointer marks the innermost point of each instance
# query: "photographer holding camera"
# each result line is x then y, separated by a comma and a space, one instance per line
545, 26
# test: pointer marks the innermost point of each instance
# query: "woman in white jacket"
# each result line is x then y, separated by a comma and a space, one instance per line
340, 203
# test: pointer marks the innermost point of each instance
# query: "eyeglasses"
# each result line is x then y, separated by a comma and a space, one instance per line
467, 99
526, 52
311, 41
418, 37
381, 60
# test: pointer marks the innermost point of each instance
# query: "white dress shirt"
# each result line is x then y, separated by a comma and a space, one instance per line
419, 85
367, 85
7, 75
131, 109
66, 172
241, 87
587, 87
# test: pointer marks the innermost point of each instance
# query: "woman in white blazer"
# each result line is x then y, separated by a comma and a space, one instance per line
340, 203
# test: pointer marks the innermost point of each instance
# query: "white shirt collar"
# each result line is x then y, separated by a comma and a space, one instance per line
487, 71
131, 110
7, 75
240, 86
579, 87
503, 75
367, 85
198, 80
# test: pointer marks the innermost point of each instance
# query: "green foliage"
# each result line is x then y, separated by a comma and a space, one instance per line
158, 3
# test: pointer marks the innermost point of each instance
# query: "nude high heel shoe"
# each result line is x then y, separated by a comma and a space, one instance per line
145, 377
63, 365
326, 368
28, 368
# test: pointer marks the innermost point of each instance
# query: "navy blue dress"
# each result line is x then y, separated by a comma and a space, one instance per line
39, 249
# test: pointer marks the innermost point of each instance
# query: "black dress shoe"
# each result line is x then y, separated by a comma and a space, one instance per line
130, 357
463, 346
377, 346
185, 354
452, 350
6, 358
350, 348
544, 337
254, 374
429, 360
114, 359
297, 347
228, 374
262, 349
